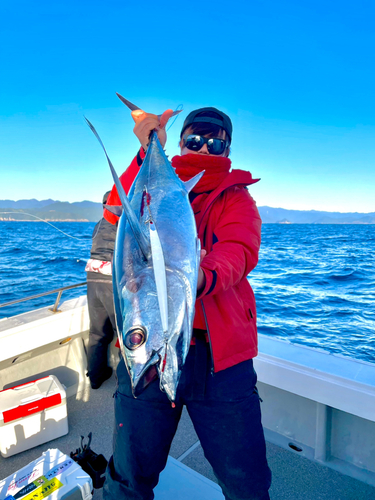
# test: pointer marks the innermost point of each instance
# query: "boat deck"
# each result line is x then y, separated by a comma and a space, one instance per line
188, 473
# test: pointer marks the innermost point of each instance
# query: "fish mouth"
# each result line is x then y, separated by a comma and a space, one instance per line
135, 337
141, 375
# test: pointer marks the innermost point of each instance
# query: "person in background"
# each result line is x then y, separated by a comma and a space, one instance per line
100, 301
218, 381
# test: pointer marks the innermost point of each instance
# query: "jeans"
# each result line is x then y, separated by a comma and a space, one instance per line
225, 411
102, 327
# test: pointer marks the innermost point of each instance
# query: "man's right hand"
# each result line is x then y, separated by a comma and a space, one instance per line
145, 123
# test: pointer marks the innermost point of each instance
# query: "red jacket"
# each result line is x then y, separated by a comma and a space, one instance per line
229, 228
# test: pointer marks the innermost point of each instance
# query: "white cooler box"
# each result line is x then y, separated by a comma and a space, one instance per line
32, 414
52, 475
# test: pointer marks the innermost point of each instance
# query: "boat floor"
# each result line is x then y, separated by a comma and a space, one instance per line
188, 474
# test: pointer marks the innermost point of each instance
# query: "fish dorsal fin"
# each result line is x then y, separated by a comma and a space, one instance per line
133, 107
114, 209
129, 212
193, 181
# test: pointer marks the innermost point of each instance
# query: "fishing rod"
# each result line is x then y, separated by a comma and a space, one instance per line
32, 215
179, 107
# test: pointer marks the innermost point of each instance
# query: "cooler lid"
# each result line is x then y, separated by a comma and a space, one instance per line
32, 397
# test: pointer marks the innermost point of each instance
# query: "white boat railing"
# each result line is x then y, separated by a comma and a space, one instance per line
59, 292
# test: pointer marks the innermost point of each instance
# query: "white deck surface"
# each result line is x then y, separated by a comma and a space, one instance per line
188, 475
179, 482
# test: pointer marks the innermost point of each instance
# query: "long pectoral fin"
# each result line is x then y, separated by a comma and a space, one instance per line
134, 223
117, 306
158, 264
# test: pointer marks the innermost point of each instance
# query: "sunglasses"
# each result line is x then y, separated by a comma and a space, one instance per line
196, 143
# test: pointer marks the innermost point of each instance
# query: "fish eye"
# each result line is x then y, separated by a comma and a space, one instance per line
134, 338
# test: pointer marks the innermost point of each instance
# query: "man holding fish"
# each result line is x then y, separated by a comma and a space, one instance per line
206, 364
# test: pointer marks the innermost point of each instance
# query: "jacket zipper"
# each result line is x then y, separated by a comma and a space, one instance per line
203, 309
209, 340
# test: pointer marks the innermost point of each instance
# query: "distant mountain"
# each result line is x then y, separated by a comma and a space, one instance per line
283, 216
84, 211
25, 203
89, 211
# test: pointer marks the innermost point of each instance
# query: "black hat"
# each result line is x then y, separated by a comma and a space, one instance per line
105, 197
200, 116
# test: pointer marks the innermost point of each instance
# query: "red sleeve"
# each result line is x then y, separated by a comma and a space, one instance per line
126, 179
235, 253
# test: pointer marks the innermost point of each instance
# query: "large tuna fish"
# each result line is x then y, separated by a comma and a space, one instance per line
155, 270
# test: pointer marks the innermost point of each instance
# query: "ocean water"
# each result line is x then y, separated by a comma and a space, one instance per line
314, 284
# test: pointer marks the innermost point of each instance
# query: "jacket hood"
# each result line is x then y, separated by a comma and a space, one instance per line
237, 178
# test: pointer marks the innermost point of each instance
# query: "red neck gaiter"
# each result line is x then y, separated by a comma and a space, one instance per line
216, 169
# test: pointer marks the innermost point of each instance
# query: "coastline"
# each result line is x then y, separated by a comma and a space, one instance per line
358, 223
45, 220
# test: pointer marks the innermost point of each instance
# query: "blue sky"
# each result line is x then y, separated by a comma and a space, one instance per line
297, 79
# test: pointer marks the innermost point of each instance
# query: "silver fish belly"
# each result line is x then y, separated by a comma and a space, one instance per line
155, 294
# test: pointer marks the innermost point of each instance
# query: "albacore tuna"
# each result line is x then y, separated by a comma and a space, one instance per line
155, 270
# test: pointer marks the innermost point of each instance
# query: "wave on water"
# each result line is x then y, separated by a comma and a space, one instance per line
314, 284
40, 259
56, 260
